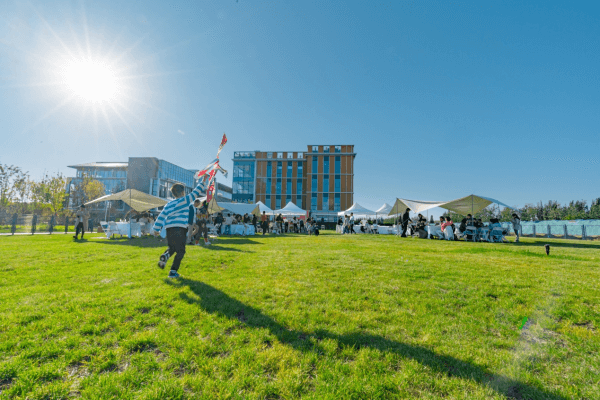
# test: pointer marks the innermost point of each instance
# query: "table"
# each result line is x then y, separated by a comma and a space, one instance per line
244, 230
435, 230
385, 230
121, 228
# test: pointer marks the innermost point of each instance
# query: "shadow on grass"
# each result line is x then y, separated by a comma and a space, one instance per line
215, 301
541, 242
152, 242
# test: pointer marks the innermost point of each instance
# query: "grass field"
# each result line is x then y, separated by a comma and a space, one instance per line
328, 317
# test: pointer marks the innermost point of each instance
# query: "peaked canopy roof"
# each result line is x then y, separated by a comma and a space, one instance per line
471, 204
416, 206
263, 207
384, 209
291, 209
240, 208
357, 210
464, 205
135, 199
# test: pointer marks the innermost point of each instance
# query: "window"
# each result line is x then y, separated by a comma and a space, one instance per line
278, 201
337, 184
299, 201
336, 204
269, 155
314, 165
338, 149
278, 186
300, 167
326, 164
313, 202
300, 155
325, 201
299, 186
279, 155
279, 168
289, 169
290, 155
326, 183
325, 149
269, 183
269, 169
315, 149
314, 184
288, 188
268, 200
288, 199
338, 164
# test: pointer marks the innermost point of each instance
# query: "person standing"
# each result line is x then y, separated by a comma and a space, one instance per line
202, 222
33, 223
405, 220
351, 223
516, 222
254, 220
264, 223
174, 218
80, 219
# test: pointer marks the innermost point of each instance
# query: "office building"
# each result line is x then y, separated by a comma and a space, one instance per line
320, 179
146, 174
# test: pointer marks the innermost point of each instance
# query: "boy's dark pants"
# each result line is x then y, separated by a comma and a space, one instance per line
78, 228
176, 238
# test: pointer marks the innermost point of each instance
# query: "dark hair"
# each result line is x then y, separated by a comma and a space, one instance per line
82, 206
407, 209
515, 215
442, 219
469, 215
177, 190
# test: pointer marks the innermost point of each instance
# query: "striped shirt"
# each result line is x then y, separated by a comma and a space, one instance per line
176, 212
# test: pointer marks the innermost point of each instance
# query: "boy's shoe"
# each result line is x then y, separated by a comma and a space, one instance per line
207, 243
173, 274
74, 237
163, 261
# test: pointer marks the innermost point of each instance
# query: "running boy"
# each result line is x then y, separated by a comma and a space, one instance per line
174, 218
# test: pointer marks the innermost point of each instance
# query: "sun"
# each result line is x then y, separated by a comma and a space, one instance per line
91, 80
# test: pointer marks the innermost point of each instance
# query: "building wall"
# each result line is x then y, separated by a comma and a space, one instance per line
332, 187
141, 171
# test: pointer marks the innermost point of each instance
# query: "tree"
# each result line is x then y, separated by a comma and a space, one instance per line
87, 189
22, 187
8, 173
50, 192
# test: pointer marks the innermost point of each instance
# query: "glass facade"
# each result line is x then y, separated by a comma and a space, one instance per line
313, 202
314, 186
336, 203
325, 183
243, 181
338, 165
289, 169
337, 184
326, 164
325, 201
315, 164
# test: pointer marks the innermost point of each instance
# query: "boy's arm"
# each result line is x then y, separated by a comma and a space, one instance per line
160, 221
196, 192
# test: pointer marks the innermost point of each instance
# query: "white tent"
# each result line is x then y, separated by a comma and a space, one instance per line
139, 201
416, 206
358, 211
263, 207
290, 209
384, 209
240, 208
470, 204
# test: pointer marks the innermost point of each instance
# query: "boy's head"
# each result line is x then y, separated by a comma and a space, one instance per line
197, 203
177, 190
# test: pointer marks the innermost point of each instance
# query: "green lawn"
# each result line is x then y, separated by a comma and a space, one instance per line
328, 317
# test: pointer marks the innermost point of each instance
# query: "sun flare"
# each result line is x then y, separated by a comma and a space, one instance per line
91, 80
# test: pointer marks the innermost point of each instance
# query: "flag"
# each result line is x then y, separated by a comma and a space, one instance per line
223, 143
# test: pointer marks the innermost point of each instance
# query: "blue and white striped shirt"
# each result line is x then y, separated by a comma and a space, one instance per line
176, 212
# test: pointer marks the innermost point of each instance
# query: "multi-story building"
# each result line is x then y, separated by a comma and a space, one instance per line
146, 174
320, 179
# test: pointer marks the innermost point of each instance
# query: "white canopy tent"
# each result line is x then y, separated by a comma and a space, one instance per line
415, 206
139, 201
239, 208
384, 209
263, 207
358, 211
290, 209
471, 204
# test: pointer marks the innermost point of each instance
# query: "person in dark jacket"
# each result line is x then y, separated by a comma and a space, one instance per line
405, 220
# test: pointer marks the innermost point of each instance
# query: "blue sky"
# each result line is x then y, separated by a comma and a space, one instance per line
441, 99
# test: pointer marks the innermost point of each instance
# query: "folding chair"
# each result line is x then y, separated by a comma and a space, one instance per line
497, 234
471, 231
484, 235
